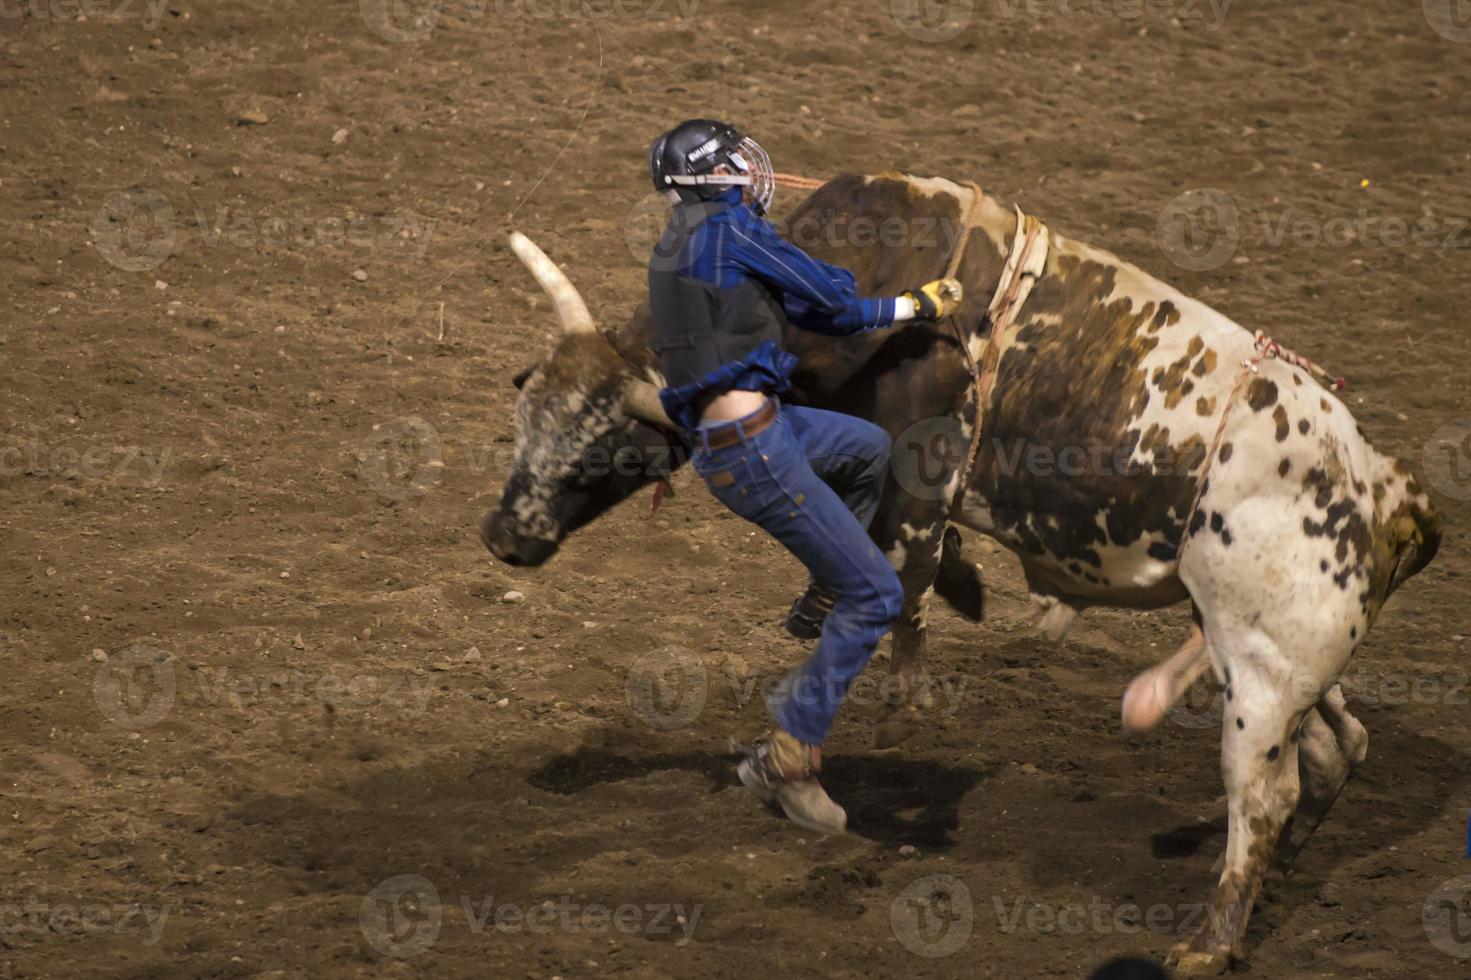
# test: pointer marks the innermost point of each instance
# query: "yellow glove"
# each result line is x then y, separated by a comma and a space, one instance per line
936, 299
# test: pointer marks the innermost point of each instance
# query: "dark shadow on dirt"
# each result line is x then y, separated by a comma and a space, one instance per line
881, 791
588, 767
1185, 840
890, 799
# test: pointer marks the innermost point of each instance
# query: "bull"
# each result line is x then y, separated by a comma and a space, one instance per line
1277, 520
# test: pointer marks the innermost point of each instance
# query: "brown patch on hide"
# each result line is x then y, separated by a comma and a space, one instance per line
1261, 393
1077, 377
1166, 316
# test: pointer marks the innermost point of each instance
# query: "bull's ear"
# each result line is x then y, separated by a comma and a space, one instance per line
520, 379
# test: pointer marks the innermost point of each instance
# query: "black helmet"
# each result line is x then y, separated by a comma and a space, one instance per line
683, 160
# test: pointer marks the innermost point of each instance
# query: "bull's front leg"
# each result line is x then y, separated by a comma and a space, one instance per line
912, 534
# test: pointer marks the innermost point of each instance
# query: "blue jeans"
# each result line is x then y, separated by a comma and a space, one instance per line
812, 480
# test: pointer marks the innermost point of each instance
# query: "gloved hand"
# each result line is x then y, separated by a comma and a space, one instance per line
936, 299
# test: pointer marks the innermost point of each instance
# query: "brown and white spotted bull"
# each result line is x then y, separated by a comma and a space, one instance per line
1300, 532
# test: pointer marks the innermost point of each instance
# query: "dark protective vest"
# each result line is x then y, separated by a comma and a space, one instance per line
697, 326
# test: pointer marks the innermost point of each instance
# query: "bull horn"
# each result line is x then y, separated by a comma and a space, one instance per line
641, 401
571, 310
640, 398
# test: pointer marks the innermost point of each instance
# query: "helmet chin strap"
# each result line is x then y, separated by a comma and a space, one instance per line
710, 180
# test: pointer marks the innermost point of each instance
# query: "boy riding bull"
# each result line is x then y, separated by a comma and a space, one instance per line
722, 284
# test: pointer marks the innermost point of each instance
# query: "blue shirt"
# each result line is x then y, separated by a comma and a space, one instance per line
733, 245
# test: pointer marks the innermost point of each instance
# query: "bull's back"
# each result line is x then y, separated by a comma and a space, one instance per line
1113, 390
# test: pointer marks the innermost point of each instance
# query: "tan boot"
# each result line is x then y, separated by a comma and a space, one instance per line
784, 771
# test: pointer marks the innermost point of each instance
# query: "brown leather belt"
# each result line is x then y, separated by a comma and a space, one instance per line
729, 433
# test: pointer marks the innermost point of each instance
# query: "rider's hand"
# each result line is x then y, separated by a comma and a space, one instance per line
936, 299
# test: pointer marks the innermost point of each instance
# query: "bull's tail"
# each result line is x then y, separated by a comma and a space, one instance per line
1417, 530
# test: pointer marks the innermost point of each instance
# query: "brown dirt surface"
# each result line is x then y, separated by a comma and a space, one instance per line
251, 480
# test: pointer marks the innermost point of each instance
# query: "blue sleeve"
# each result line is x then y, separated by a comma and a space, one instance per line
818, 297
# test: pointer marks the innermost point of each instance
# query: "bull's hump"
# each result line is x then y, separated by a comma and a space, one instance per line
957, 203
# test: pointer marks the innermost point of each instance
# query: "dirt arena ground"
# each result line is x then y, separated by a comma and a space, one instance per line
269, 712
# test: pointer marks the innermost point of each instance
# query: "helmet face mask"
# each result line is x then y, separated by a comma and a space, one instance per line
753, 161
686, 163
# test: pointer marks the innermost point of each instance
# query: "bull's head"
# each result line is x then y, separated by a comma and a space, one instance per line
589, 431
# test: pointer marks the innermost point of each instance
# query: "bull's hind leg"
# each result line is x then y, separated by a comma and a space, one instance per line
1259, 760
1275, 666
1331, 744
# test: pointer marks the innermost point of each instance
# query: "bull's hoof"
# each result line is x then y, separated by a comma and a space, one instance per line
897, 725
1057, 618
1187, 961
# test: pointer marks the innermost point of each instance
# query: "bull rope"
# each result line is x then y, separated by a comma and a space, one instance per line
800, 183
1265, 349
1018, 275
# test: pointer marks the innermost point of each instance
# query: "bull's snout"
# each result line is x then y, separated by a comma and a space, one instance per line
509, 546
